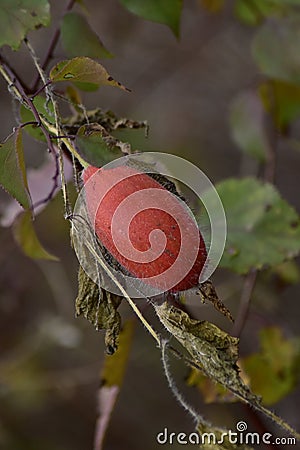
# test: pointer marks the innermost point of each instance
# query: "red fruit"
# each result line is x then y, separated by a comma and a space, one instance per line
148, 230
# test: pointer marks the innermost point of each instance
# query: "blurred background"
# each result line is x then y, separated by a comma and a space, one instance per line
50, 362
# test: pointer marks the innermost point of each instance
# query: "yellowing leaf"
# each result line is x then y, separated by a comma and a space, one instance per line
211, 391
212, 6
18, 17
27, 239
282, 101
112, 376
85, 71
288, 272
115, 365
12, 169
274, 371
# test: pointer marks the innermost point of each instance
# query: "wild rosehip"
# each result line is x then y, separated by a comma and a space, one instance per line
146, 228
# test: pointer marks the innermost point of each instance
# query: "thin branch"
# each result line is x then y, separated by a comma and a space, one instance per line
250, 279
40, 89
19, 92
49, 93
52, 47
244, 305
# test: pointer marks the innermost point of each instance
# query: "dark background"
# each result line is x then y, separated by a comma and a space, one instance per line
50, 362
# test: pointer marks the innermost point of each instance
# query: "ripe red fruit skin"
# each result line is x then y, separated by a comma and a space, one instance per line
104, 192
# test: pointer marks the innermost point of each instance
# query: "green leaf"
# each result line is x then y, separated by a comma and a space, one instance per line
96, 146
275, 49
274, 371
167, 12
282, 101
247, 125
85, 71
263, 229
12, 169
78, 39
18, 17
255, 11
27, 239
45, 110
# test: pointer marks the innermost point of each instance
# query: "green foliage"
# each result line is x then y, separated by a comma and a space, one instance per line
78, 39
85, 72
263, 229
27, 239
274, 49
274, 371
254, 12
45, 110
282, 101
95, 146
167, 12
18, 17
12, 169
247, 125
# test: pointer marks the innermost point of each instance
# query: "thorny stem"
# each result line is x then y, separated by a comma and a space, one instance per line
51, 48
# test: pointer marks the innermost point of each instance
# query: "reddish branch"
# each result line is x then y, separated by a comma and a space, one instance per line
53, 44
29, 103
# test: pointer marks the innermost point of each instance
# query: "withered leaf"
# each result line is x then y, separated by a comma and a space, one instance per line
213, 438
100, 308
210, 347
215, 352
208, 292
